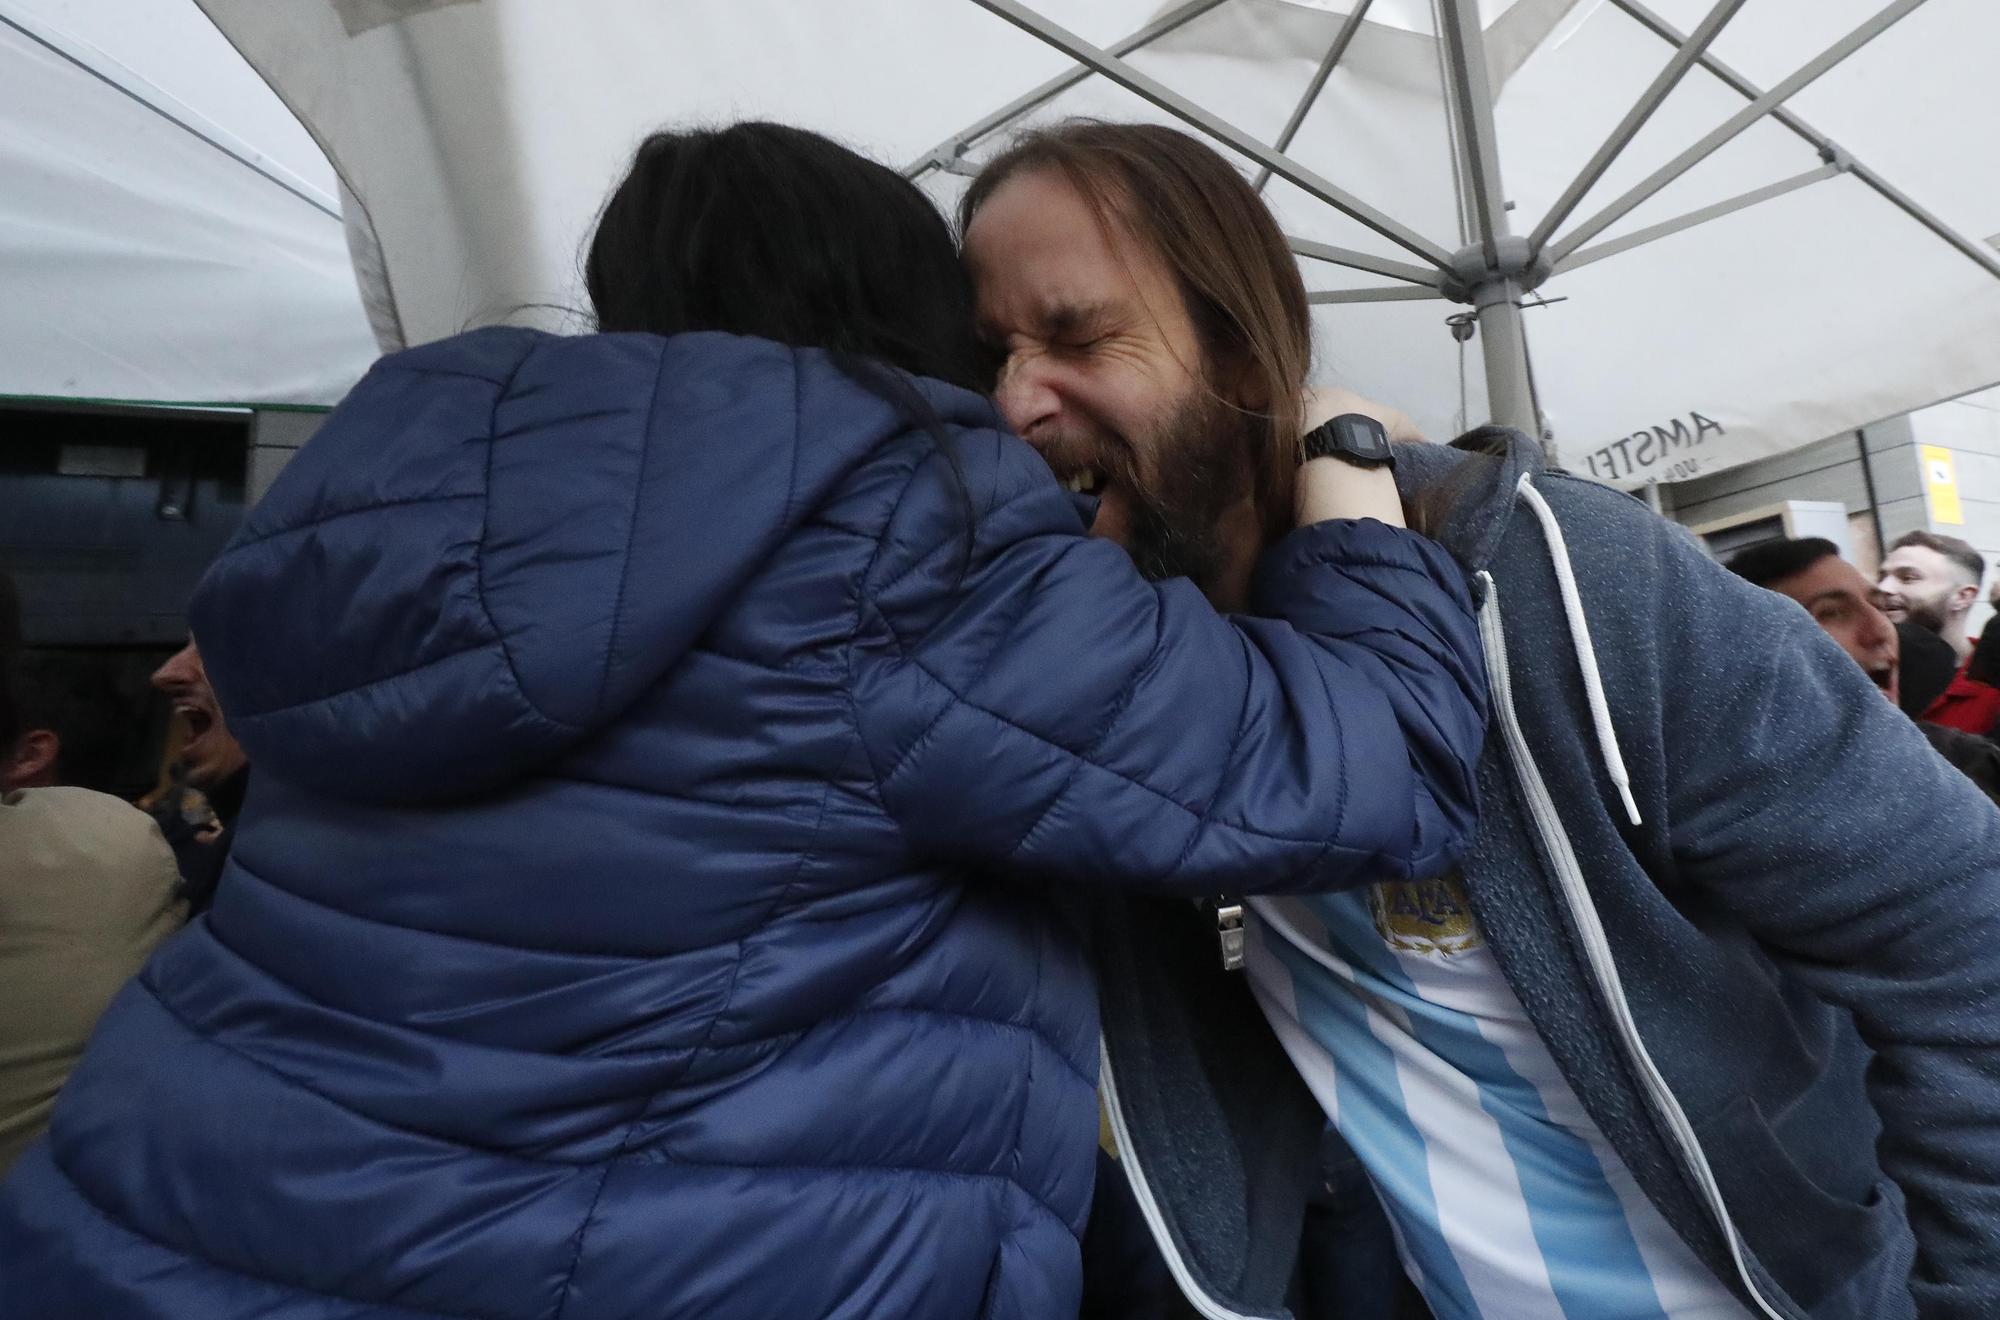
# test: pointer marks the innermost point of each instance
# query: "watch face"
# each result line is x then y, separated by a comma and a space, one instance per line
1350, 436
1363, 437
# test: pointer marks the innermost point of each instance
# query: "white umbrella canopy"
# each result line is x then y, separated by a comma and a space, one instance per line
168, 232
1841, 272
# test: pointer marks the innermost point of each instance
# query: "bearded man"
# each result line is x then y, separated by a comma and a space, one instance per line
1932, 582
1620, 1064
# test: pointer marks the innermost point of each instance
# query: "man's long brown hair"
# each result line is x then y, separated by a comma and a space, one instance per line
1236, 273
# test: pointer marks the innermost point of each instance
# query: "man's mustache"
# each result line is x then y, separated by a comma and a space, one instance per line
1068, 451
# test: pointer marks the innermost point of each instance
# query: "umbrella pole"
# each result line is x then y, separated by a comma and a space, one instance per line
1510, 397
1494, 272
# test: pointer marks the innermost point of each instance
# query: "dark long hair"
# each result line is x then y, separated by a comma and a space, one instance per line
768, 230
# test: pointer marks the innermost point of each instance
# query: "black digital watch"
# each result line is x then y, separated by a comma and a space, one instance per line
1352, 438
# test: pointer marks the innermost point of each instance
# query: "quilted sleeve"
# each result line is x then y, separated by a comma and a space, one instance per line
1028, 702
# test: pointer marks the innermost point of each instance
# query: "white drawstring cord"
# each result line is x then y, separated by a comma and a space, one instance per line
1579, 633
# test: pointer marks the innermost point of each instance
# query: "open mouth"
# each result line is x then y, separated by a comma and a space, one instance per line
1882, 676
199, 721
1085, 481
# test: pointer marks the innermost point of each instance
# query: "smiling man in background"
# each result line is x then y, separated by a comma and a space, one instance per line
1810, 571
1932, 581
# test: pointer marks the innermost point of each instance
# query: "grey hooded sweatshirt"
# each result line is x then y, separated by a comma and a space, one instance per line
1753, 915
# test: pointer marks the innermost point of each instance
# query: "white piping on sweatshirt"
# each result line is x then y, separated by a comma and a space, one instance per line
1576, 893
1579, 636
1149, 1206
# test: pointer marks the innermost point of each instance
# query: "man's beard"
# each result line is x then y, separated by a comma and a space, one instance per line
1201, 470
1929, 614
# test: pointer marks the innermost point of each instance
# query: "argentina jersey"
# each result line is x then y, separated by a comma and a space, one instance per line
1507, 1201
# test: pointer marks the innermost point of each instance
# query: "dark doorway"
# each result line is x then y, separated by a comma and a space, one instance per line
109, 515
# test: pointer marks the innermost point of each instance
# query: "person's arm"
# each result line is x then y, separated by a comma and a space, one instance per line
1328, 488
1867, 868
1036, 706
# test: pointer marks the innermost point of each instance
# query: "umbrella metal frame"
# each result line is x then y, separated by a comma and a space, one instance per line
111, 73
1493, 273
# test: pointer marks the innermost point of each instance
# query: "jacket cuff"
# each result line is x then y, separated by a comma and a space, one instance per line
1345, 545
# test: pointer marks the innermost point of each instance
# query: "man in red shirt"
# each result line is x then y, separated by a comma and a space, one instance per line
1933, 581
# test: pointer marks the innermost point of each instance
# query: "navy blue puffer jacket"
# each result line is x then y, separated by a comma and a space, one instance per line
642, 904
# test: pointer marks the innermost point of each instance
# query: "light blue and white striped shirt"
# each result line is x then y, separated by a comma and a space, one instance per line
1507, 1201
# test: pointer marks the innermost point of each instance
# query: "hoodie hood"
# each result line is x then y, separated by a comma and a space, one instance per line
1472, 488
1468, 489
498, 541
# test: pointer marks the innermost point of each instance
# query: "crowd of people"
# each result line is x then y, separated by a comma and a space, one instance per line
926, 772
1907, 631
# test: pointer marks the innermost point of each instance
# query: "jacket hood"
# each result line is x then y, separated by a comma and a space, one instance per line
1472, 487
498, 541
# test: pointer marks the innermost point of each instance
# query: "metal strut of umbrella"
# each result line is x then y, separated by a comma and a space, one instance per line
1493, 274
1717, 261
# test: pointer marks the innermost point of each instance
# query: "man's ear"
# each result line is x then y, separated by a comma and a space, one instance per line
32, 762
1963, 599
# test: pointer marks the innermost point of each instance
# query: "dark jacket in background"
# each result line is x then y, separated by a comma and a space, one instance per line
644, 902
1978, 759
1925, 670
1928, 667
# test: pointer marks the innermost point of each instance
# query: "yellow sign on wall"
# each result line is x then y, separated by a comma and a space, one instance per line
1941, 485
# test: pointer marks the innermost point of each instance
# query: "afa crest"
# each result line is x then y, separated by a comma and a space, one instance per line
1431, 917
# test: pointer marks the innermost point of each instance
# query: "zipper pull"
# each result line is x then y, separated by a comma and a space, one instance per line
1229, 933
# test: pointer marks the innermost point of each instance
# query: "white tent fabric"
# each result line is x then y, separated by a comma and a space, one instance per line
168, 231
480, 137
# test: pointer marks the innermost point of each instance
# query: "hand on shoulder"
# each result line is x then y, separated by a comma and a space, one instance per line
1329, 488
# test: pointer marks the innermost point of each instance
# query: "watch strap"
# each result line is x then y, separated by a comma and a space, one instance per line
1354, 437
